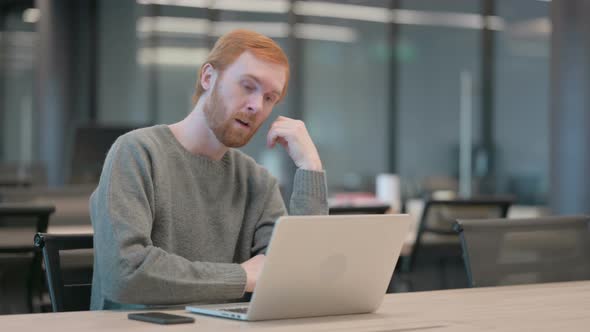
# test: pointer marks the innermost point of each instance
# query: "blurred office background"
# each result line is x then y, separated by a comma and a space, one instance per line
407, 87
378, 83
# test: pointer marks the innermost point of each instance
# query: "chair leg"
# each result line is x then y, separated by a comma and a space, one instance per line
34, 283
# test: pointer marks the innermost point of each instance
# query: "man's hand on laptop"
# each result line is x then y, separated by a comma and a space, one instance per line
253, 266
293, 136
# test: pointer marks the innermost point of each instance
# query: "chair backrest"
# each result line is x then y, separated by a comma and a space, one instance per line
67, 291
522, 251
438, 217
18, 223
359, 209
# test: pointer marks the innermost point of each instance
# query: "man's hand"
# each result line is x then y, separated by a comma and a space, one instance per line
253, 266
293, 136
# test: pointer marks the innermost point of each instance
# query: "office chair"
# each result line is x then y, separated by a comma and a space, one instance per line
523, 251
67, 291
18, 223
436, 242
359, 209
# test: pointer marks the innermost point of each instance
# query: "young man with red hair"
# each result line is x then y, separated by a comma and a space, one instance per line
180, 216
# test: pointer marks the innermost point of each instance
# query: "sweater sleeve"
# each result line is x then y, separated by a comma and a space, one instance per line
310, 193
309, 197
132, 269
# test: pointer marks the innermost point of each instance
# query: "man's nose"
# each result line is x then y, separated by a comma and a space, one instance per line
255, 103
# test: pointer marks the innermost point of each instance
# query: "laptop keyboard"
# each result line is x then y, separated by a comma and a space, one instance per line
239, 310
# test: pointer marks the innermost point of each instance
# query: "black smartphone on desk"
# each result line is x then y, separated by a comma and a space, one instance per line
160, 318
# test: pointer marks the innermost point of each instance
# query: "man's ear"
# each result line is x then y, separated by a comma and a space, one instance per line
208, 76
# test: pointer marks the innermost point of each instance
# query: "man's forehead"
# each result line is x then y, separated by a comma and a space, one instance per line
267, 72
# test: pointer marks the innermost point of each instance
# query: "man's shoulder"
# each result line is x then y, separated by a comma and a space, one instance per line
139, 142
143, 136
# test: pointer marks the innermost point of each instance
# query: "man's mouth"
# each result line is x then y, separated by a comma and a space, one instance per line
243, 123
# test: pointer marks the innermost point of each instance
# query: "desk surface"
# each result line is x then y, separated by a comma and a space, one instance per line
542, 307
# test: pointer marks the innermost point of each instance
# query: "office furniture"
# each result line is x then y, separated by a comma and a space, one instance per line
540, 307
519, 251
359, 209
437, 248
21, 175
18, 224
71, 202
68, 291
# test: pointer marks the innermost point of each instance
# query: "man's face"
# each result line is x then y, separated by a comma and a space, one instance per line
242, 99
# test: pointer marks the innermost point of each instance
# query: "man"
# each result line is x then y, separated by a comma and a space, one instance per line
180, 216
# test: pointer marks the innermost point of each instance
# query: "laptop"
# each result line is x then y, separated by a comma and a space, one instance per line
321, 266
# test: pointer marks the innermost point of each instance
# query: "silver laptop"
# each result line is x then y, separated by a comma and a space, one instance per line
320, 266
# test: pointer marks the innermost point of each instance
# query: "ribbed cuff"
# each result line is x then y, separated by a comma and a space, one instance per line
310, 183
235, 282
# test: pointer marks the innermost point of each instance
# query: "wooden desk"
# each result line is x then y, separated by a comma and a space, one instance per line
70, 229
542, 307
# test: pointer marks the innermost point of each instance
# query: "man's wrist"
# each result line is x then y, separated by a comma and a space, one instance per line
313, 166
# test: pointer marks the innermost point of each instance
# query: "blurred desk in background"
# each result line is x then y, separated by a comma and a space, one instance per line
71, 202
12, 182
414, 208
70, 229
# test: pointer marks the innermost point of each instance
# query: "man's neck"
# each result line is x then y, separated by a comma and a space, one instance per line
196, 137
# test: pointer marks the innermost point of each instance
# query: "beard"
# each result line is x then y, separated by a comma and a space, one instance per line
223, 123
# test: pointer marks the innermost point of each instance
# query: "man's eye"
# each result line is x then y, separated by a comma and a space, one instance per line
270, 99
248, 87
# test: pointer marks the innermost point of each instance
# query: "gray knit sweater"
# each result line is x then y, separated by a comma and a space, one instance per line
171, 227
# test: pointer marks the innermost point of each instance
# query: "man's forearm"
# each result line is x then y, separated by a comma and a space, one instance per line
159, 278
310, 193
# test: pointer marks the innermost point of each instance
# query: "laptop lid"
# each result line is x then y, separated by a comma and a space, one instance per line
328, 265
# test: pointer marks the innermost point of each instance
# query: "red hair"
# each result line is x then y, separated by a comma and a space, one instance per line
231, 45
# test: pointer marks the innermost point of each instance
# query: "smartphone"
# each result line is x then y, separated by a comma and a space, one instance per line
160, 318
